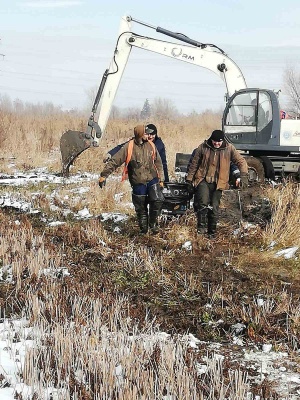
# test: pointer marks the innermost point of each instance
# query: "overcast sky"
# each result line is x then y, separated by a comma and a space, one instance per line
57, 50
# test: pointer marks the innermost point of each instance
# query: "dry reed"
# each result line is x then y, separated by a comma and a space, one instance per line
86, 344
89, 347
284, 226
32, 139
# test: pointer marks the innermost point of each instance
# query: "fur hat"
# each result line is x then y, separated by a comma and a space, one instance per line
151, 129
217, 135
139, 131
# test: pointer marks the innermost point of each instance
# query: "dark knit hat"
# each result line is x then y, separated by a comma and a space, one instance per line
217, 135
151, 129
139, 131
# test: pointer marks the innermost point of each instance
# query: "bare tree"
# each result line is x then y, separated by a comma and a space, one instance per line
164, 109
115, 112
18, 106
292, 87
91, 95
131, 113
5, 103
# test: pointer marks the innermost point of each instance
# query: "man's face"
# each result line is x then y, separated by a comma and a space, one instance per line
217, 144
146, 136
150, 133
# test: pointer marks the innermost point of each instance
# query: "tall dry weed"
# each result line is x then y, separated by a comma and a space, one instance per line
285, 222
32, 138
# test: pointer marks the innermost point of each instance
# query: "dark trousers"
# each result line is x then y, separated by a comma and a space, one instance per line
206, 203
143, 190
151, 194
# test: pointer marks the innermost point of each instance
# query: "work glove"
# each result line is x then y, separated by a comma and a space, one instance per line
102, 182
161, 184
190, 187
244, 181
107, 158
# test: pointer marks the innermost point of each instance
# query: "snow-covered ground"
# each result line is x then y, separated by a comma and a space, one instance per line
17, 336
15, 200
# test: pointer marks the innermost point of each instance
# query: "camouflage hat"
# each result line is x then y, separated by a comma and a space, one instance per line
151, 129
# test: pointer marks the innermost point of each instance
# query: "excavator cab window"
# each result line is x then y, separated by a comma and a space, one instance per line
247, 116
264, 111
241, 109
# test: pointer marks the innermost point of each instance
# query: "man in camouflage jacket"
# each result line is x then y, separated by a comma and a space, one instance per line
146, 176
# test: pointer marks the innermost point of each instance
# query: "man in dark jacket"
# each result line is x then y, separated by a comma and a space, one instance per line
152, 131
234, 172
208, 176
152, 135
146, 176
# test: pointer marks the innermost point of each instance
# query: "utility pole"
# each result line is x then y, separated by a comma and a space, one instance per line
2, 55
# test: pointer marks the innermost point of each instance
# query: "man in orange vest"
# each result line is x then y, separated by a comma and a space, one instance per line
153, 137
145, 173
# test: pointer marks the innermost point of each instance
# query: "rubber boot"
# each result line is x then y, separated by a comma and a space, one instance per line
140, 205
211, 227
202, 221
154, 212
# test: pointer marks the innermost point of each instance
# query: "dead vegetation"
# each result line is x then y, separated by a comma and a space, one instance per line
284, 226
98, 300
122, 292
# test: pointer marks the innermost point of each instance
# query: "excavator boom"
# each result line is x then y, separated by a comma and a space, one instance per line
73, 143
209, 56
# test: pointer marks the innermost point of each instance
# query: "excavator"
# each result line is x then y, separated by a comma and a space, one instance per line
252, 120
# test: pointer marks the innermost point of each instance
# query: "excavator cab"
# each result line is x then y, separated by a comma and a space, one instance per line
253, 123
251, 117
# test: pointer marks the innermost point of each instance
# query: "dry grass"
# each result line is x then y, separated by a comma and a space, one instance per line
284, 226
33, 139
92, 342
30, 138
86, 344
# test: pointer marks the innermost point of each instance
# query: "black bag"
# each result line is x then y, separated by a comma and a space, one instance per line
155, 193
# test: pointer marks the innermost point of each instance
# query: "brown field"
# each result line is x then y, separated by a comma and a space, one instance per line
133, 285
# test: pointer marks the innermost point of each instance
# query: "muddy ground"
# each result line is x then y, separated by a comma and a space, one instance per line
183, 280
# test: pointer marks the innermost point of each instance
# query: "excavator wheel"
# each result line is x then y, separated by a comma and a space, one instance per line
256, 171
72, 144
298, 175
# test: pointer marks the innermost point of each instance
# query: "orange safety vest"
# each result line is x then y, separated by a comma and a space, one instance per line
129, 155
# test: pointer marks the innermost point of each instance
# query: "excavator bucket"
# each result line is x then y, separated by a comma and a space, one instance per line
72, 144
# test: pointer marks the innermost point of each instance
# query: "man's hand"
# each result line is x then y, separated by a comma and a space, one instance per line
244, 181
102, 182
107, 158
161, 184
190, 187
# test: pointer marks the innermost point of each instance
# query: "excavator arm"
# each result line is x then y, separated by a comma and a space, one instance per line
207, 56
